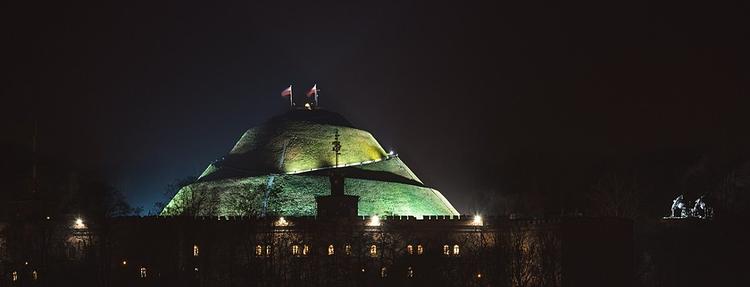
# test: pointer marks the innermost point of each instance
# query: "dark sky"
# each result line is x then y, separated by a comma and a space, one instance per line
151, 91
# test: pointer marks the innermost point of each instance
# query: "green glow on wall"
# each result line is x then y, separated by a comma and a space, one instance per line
291, 150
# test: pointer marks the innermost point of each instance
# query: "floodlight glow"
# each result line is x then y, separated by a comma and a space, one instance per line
477, 220
79, 224
374, 221
281, 222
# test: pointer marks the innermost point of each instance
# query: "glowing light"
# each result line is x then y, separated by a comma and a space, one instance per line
144, 272
477, 220
124, 262
281, 222
479, 275
78, 224
295, 250
330, 250
196, 251
48, 218
14, 276
374, 221
34, 275
26, 263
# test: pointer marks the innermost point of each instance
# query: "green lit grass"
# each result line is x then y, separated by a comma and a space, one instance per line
292, 149
294, 195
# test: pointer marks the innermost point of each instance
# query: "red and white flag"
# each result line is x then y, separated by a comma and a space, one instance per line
287, 92
313, 91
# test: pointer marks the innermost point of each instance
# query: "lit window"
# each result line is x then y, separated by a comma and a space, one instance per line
305, 250
383, 272
258, 250
373, 250
268, 250
348, 249
456, 250
34, 275
295, 250
196, 251
14, 276
330, 250
409, 272
420, 249
144, 272
446, 250
410, 249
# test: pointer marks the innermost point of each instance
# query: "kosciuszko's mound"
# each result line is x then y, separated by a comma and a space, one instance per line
279, 167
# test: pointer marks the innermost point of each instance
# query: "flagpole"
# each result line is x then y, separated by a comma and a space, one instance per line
316, 95
291, 101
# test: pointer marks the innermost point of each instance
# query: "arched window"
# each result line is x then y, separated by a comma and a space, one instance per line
295, 250
420, 249
456, 250
446, 250
14, 276
196, 251
330, 250
144, 272
348, 249
258, 250
409, 272
383, 272
34, 275
268, 250
305, 250
373, 250
409, 249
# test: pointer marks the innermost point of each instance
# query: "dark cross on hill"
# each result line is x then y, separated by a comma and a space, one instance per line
336, 147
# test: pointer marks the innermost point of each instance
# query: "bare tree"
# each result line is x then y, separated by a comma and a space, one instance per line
615, 195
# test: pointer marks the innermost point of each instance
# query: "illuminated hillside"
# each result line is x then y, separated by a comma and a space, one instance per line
279, 167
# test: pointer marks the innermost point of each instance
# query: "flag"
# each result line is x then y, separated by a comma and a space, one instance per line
287, 92
313, 91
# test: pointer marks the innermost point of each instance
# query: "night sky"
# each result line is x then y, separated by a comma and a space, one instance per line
470, 95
